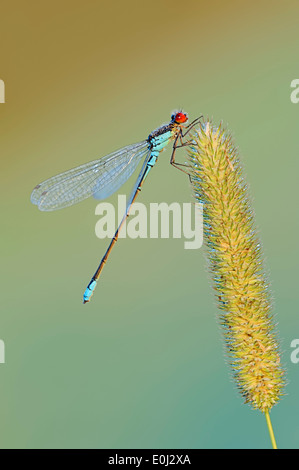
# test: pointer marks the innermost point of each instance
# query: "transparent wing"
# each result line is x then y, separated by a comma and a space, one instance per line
100, 178
102, 191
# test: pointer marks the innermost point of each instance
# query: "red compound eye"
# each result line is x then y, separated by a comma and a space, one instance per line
180, 118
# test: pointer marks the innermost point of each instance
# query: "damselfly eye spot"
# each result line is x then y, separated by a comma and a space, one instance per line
180, 118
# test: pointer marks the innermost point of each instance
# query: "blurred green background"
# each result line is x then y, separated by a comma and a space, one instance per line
142, 365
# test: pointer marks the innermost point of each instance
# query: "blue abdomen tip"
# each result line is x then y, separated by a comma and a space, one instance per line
89, 291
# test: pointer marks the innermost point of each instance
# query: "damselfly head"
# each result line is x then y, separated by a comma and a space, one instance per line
179, 117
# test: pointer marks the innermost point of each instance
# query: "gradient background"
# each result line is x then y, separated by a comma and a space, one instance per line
141, 366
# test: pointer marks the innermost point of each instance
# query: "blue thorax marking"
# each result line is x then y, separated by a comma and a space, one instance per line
157, 142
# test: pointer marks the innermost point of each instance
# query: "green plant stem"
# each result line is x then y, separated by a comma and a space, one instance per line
270, 429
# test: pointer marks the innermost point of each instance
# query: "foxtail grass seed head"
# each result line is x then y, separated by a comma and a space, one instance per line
236, 265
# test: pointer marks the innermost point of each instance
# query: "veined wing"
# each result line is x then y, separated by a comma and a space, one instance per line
99, 178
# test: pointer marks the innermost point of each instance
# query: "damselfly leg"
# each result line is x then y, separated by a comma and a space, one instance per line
180, 137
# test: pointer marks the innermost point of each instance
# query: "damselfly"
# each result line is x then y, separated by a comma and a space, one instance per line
101, 178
